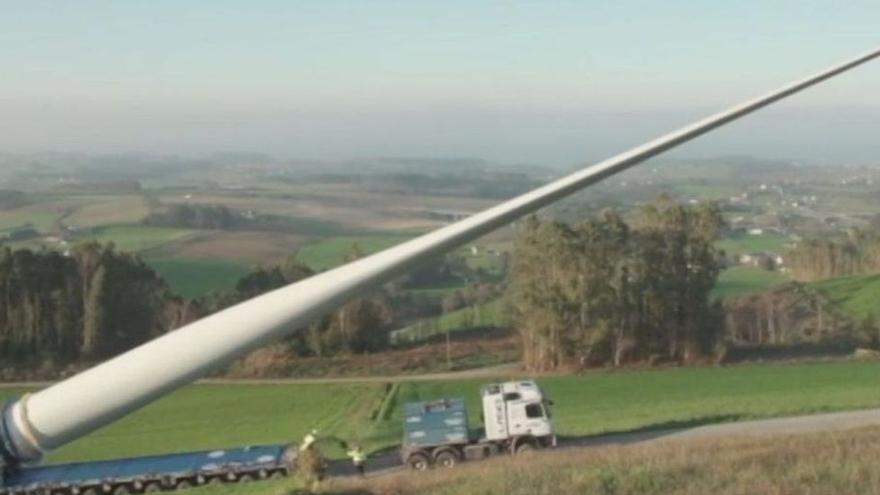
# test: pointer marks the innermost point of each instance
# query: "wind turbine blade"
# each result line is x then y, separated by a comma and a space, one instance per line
76, 406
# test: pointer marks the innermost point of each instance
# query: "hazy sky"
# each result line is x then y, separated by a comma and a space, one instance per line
548, 82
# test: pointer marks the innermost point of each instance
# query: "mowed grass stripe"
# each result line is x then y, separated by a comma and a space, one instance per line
332, 251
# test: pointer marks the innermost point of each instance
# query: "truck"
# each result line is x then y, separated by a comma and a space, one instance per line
516, 420
151, 473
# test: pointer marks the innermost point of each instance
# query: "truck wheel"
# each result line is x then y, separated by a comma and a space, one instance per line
276, 475
182, 485
245, 478
121, 490
418, 462
446, 459
152, 487
525, 448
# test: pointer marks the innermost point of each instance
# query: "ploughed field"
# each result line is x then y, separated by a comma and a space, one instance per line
216, 416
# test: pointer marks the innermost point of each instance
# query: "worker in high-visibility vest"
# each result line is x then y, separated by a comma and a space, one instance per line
358, 458
309, 439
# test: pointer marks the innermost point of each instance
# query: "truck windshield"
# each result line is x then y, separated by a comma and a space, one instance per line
534, 411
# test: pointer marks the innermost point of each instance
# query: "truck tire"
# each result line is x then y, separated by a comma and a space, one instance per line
418, 461
276, 475
245, 478
183, 484
446, 458
121, 490
152, 487
525, 448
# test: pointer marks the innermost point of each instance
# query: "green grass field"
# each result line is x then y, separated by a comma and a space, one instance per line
744, 280
707, 191
22, 217
109, 210
858, 296
134, 238
193, 278
633, 400
214, 416
332, 251
745, 243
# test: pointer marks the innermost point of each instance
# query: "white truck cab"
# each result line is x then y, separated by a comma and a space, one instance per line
517, 412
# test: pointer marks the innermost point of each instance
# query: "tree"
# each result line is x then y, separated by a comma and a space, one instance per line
94, 319
605, 292
88, 306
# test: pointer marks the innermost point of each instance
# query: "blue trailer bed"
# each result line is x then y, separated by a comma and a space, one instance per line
163, 471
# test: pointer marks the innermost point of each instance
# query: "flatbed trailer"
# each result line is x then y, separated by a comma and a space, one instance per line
151, 473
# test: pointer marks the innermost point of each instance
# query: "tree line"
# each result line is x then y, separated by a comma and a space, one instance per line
57, 310
88, 306
603, 291
817, 259
606, 291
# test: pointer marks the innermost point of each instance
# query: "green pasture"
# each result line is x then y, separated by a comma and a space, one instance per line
134, 238
332, 251
215, 416
708, 191
858, 296
193, 278
606, 402
24, 217
205, 417
109, 210
747, 243
745, 280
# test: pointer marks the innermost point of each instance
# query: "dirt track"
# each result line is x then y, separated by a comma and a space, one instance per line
503, 370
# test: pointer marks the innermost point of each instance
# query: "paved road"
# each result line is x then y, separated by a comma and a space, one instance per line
390, 462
